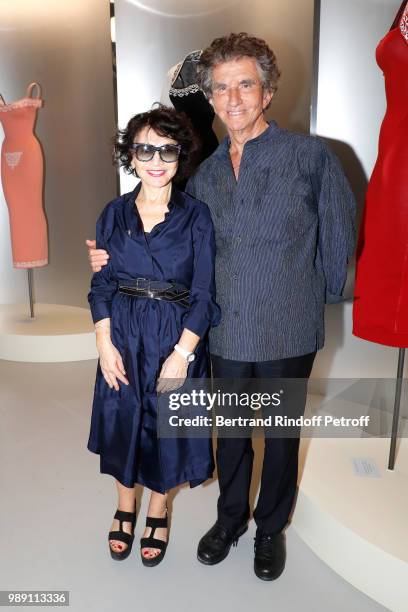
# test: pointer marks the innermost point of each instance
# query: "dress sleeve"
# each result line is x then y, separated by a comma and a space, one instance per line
103, 284
337, 226
204, 312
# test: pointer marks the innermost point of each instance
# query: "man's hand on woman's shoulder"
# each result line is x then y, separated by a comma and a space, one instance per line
97, 257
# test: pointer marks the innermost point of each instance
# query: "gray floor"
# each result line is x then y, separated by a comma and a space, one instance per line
56, 511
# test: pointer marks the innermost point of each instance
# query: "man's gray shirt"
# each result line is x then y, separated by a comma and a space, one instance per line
285, 232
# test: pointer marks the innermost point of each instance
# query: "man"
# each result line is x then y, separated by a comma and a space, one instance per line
284, 221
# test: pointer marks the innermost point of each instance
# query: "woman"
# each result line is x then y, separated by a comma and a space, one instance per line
152, 306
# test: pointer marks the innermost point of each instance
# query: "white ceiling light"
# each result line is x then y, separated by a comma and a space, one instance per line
183, 8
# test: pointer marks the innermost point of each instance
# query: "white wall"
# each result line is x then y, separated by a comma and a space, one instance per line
65, 46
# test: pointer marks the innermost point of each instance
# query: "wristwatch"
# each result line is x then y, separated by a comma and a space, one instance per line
189, 357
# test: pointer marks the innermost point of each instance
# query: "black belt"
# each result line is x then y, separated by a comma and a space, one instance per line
157, 290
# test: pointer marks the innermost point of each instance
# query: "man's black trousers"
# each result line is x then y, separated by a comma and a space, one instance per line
280, 464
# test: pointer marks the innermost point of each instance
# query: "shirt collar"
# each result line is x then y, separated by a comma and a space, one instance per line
132, 217
265, 136
177, 197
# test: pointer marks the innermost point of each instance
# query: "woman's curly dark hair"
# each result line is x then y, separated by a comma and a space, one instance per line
167, 122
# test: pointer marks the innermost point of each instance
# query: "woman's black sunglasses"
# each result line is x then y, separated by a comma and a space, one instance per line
144, 152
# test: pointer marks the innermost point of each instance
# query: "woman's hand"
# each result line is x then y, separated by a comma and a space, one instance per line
173, 373
110, 361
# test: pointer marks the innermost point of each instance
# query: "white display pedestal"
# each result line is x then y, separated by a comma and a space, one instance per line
357, 525
57, 333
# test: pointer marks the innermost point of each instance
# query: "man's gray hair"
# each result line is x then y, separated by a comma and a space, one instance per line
236, 46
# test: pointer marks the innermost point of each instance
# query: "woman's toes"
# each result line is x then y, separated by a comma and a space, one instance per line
150, 553
116, 546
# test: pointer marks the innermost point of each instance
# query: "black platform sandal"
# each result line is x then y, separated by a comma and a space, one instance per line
123, 536
152, 542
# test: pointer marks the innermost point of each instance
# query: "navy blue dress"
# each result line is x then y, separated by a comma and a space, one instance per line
180, 249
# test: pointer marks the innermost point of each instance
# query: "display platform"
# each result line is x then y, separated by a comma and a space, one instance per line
57, 333
357, 524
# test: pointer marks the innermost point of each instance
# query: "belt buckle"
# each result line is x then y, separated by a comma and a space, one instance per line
141, 288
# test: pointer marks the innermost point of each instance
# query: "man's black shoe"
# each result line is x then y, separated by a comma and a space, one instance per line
270, 554
215, 545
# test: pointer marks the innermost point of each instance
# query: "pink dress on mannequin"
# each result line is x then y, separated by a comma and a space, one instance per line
22, 181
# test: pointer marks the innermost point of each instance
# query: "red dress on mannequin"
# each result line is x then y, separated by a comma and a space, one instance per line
380, 310
22, 181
